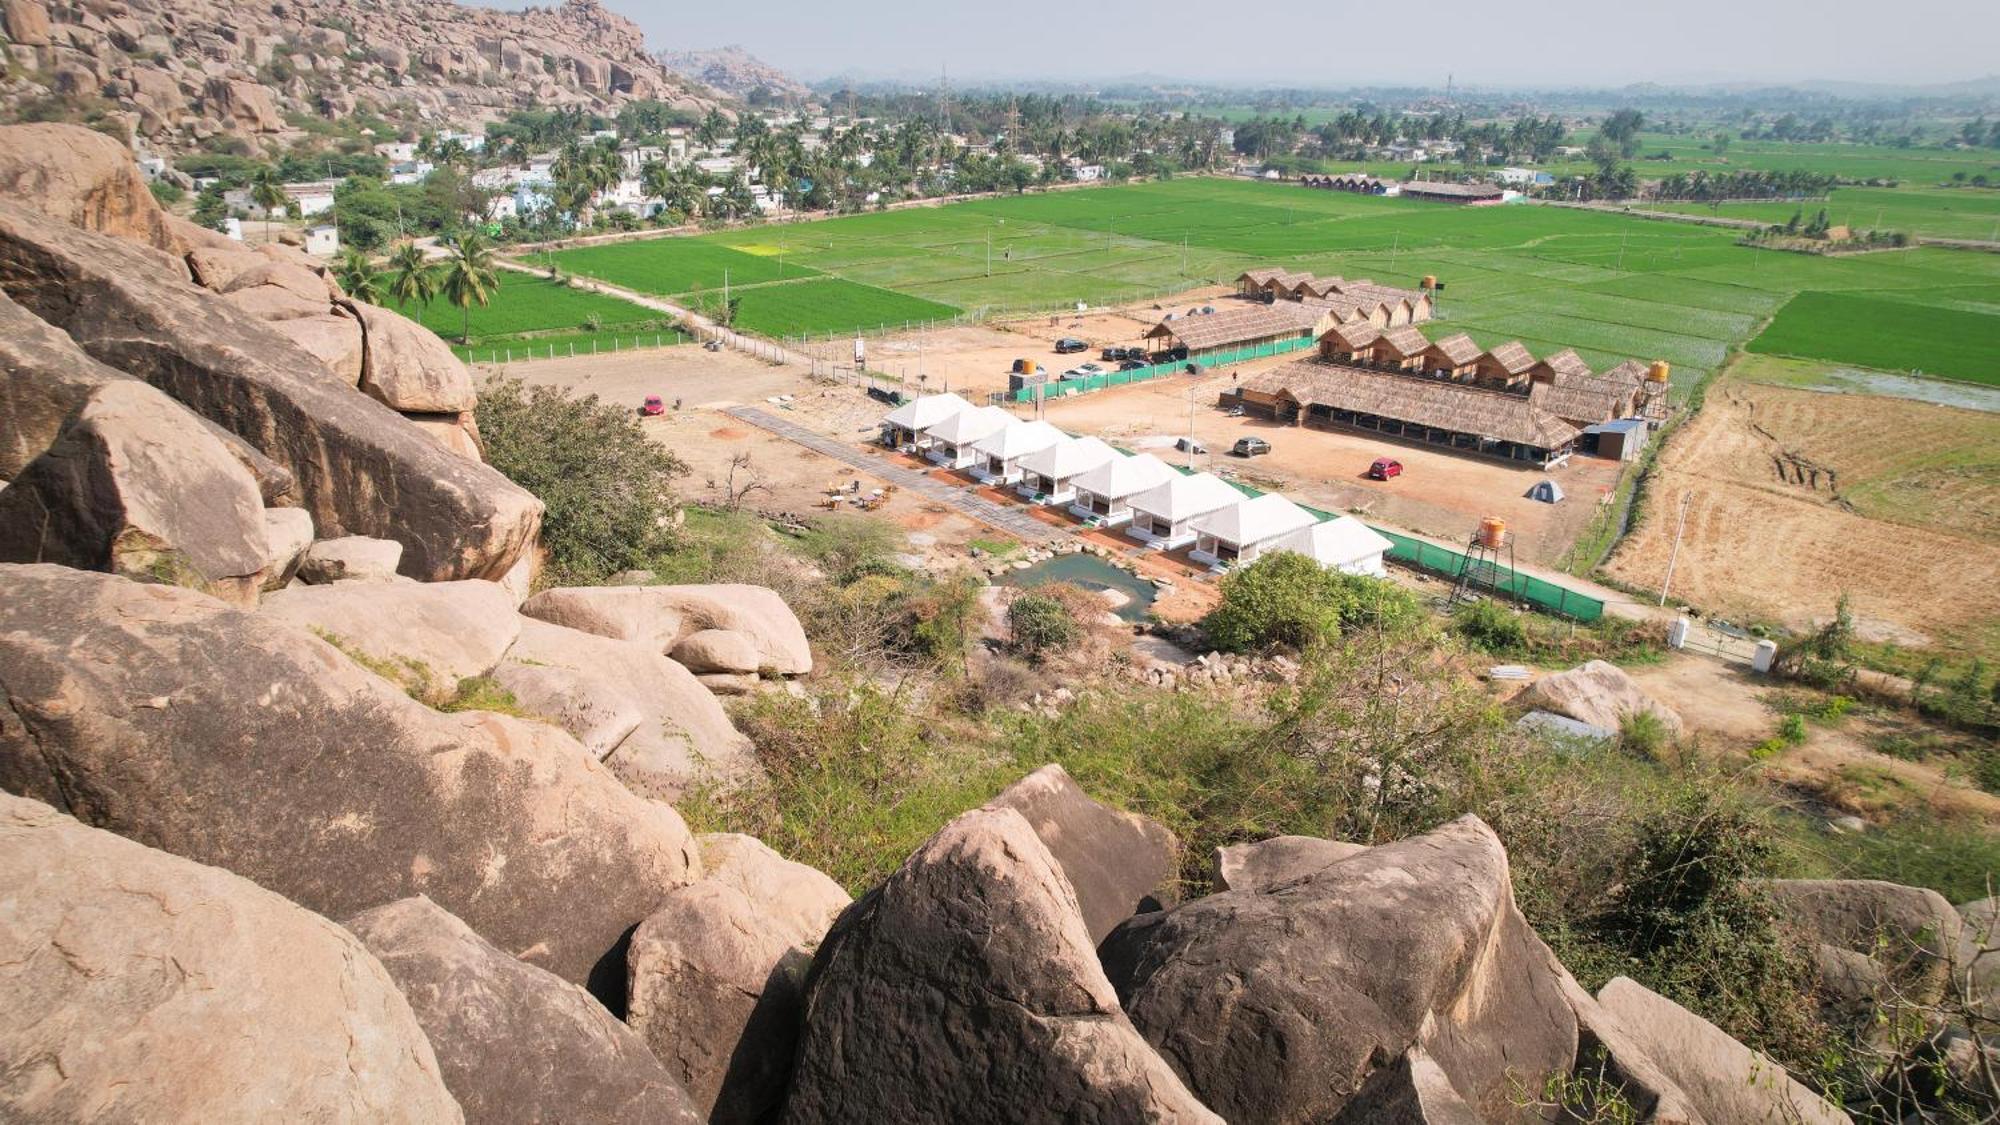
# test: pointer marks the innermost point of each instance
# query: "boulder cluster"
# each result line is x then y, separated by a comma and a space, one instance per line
185, 73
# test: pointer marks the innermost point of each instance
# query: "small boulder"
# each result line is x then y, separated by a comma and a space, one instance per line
287, 534
214, 267
407, 367
730, 683
1280, 859
1598, 693
662, 616
425, 635
1117, 863
514, 1042
270, 303
724, 651
1726, 1081
1910, 933
27, 22
333, 340
965, 988
350, 558
142, 987
291, 277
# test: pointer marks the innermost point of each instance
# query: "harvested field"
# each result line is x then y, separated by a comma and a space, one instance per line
1798, 496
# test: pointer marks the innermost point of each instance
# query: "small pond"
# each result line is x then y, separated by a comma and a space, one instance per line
1091, 573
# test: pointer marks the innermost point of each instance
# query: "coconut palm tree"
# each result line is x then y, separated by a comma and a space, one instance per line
267, 193
411, 277
356, 274
470, 277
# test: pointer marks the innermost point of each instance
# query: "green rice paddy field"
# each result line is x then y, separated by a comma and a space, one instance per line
1972, 213
531, 308
1613, 287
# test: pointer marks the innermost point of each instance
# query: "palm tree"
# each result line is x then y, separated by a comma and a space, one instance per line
357, 275
267, 193
469, 277
411, 277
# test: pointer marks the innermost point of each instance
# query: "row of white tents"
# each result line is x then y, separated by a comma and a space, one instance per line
1107, 488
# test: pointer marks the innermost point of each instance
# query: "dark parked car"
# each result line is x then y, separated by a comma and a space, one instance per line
1250, 447
1385, 467
1069, 344
1133, 364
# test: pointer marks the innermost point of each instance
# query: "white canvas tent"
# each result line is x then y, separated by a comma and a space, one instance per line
1164, 515
951, 439
1343, 543
906, 424
1239, 532
1048, 475
1104, 494
999, 453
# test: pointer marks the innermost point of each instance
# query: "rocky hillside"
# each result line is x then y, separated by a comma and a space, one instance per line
178, 74
735, 72
267, 852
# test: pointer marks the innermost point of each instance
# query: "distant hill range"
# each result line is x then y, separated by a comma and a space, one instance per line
736, 72
178, 73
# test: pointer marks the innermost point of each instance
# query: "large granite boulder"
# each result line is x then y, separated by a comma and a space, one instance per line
426, 636
351, 558
1283, 1004
234, 739
1598, 693
81, 177
515, 1043
718, 974
1265, 864
331, 338
964, 988
645, 716
407, 367
361, 469
723, 651
1118, 863
1726, 1081
1607, 1052
663, 616
135, 485
242, 106
27, 22
1874, 936
138, 986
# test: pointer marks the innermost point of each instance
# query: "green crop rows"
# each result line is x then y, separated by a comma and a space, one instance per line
1878, 330
526, 306
1940, 212
831, 305
667, 266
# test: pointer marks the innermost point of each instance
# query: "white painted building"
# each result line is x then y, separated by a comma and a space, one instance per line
1000, 452
1164, 515
1343, 543
1239, 533
323, 241
903, 427
951, 439
1104, 494
397, 152
1048, 476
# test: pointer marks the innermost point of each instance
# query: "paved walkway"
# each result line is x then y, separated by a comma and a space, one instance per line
1013, 519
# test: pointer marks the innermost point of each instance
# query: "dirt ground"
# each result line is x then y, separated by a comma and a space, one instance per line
1790, 497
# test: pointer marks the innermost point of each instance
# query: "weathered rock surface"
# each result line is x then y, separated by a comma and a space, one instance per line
360, 468
141, 987
1265, 864
1981, 970
335, 341
964, 988
1606, 1050
649, 720
1598, 693
429, 635
1726, 1081
135, 485
1117, 863
351, 558
718, 974
514, 1042
456, 432
233, 739
663, 616
27, 22
1909, 933
83, 178
287, 534
1282, 1005
724, 651
407, 367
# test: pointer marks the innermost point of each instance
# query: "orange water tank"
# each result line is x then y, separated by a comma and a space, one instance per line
1028, 367
1659, 372
1492, 533
1430, 281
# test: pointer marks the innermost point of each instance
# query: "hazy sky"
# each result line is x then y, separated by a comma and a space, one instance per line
1338, 42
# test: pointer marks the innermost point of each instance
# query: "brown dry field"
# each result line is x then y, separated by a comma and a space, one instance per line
1903, 517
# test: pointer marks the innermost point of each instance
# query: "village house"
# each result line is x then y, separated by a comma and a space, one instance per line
1104, 494
1239, 533
1163, 516
1048, 476
323, 241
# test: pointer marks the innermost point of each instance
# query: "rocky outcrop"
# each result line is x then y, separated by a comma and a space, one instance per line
965, 988
360, 468
425, 635
661, 617
514, 1042
288, 532
735, 72
233, 739
406, 367
1726, 1081
83, 178
1598, 693
1874, 937
134, 485
718, 651
648, 718
142, 987
717, 975
26, 22
1117, 863
1284, 1004
350, 558
1265, 864
241, 106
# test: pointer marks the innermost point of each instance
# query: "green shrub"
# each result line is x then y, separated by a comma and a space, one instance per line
1286, 600
1643, 733
167, 193
1491, 627
1792, 730
1041, 626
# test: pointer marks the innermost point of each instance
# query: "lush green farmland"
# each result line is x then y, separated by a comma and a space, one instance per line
830, 305
524, 307
1871, 331
1939, 212
667, 266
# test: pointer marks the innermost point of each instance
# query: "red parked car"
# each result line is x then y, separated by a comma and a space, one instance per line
1384, 468
653, 406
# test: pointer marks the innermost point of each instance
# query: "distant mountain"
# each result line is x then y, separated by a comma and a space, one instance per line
735, 72
180, 74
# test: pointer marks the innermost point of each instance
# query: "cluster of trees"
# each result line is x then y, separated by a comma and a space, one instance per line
1980, 133
468, 275
1702, 186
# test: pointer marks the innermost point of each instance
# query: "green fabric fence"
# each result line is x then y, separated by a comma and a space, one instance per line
1063, 388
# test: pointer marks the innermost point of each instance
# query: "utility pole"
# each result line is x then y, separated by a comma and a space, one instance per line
1190, 434
1675, 555
989, 253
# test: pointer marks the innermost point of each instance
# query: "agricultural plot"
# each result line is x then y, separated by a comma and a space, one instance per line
525, 306
825, 305
1939, 212
1877, 330
667, 266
